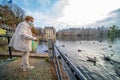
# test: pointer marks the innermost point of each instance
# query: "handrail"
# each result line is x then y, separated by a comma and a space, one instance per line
57, 64
77, 74
53, 58
8, 37
5, 36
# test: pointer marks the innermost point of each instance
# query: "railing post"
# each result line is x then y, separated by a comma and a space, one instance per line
9, 48
53, 58
50, 50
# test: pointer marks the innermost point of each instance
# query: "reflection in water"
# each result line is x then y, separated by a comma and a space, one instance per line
112, 38
42, 47
78, 49
79, 38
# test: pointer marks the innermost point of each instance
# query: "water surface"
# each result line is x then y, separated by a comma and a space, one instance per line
78, 49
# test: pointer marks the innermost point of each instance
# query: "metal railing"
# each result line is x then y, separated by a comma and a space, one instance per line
57, 64
9, 48
75, 72
53, 56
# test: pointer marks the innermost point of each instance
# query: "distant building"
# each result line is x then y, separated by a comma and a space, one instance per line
83, 31
49, 33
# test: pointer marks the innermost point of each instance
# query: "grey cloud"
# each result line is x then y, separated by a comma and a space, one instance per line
115, 12
113, 18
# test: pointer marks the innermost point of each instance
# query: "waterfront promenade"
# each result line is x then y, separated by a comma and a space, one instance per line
10, 70
19, 54
44, 69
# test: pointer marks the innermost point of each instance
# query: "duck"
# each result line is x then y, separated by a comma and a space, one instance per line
92, 60
110, 46
79, 50
63, 45
100, 41
108, 58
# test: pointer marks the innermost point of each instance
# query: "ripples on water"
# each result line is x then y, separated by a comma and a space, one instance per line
42, 48
78, 51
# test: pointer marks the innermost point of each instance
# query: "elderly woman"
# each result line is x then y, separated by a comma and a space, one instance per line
22, 40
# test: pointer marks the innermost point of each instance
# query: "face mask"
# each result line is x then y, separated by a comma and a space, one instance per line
30, 24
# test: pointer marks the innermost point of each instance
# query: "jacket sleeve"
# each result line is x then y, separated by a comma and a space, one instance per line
23, 32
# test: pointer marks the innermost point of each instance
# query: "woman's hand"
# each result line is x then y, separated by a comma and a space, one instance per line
36, 39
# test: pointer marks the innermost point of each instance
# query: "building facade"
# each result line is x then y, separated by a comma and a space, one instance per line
49, 33
83, 31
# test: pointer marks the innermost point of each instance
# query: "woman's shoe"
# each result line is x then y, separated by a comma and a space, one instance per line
30, 67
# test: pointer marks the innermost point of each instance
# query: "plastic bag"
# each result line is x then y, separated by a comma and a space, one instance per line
34, 46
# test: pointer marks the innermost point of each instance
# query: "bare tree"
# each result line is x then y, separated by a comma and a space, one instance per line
18, 12
10, 15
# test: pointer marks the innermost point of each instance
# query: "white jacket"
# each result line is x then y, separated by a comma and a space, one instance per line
22, 38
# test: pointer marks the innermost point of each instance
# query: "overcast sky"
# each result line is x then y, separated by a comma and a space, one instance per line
66, 13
